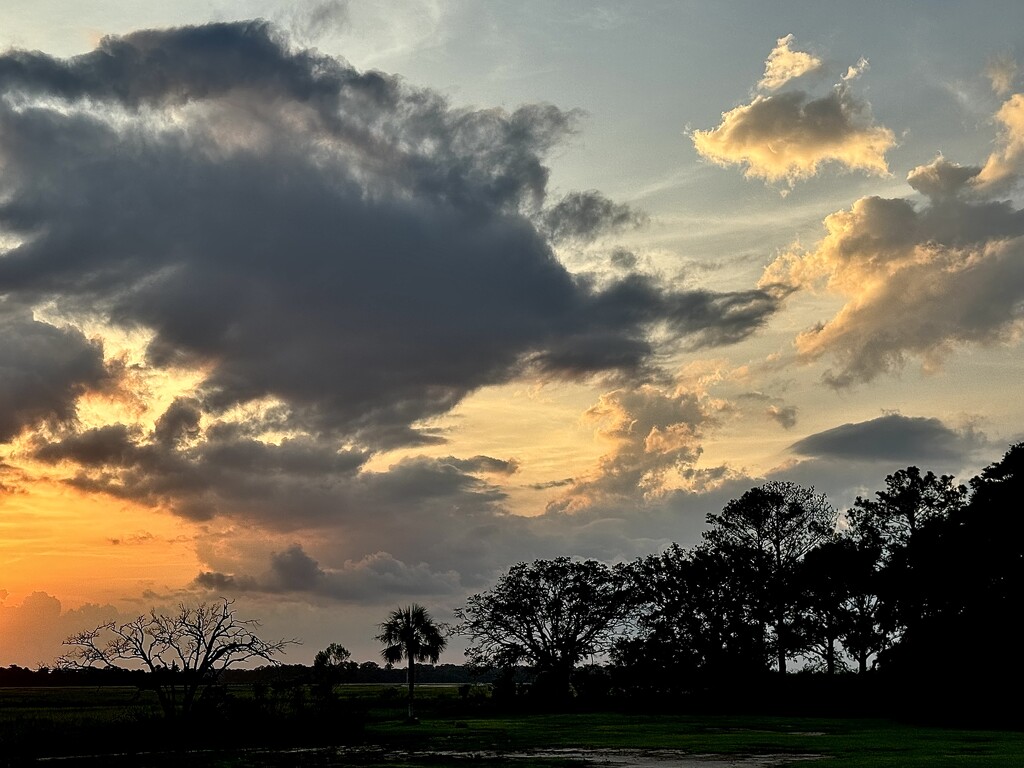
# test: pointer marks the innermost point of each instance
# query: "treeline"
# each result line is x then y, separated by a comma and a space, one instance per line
907, 602
366, 672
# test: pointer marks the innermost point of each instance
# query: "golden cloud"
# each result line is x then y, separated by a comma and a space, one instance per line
785, 64
919, 280
1005, 165
788, 136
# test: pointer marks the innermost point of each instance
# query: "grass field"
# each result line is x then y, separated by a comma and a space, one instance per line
448, 735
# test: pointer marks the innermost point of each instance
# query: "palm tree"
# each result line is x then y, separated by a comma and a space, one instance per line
410, 633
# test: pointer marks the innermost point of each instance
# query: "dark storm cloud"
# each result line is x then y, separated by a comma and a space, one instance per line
180, 422
420, 510
342, 255
892, 438
294, 569
700, 318
297, 482
43, 371
350, 245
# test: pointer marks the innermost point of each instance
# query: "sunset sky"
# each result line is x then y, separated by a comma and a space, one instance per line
331, 307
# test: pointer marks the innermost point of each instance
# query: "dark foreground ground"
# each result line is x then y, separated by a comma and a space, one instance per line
365, 728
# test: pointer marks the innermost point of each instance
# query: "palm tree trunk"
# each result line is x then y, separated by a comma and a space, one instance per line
412, 686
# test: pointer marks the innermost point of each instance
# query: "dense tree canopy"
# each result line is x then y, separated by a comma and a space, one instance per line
771, 528
550, 614
696, 621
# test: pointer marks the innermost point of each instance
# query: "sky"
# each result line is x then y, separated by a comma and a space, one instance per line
331, 307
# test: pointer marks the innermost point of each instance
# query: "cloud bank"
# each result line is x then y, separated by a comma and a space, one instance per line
334, 257
339, 241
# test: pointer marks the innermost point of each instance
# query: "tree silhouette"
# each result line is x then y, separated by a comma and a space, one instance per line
410, 633
772, 527
185, 652
693, 627
550, 613
909, 502
330, 665
961, 615
825, 580
900, 525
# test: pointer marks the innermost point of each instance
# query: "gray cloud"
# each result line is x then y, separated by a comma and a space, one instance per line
418, 510
485, 464
43, 371
785, 415
587, 215
623, 259
340, 241
774, 408
890, 438
365, 581
343, 256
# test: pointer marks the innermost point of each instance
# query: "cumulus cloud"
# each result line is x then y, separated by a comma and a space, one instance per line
920, 279
788, 135
33, 630
1004, 167
655, 433
785, 64
891, 438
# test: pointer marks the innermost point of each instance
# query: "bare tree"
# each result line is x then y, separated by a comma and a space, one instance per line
185, 652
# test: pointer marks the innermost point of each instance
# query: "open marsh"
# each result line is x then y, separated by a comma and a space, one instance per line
91, 727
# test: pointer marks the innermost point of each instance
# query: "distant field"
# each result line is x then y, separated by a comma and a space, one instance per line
448, 736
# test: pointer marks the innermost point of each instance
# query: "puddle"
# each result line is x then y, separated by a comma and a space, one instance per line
626, 758
375, 756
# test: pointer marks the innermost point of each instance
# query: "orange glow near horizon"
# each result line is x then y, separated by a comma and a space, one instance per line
86, 548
